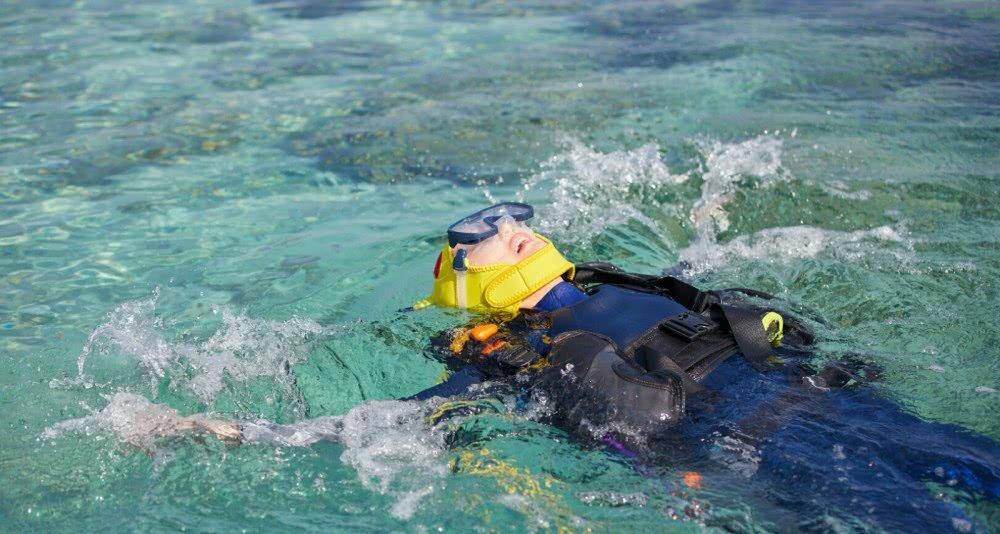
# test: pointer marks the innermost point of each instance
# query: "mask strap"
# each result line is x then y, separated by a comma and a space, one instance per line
518, 281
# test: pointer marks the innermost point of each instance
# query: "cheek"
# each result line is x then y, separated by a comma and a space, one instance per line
507, 254
502, 250
489, 253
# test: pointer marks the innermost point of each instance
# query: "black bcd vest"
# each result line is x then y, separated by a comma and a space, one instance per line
639, 345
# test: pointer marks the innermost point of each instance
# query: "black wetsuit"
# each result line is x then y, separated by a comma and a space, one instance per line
776, 433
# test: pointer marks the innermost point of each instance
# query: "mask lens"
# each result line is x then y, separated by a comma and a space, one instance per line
482, 224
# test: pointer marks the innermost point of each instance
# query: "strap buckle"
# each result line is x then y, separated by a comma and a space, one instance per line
688, 325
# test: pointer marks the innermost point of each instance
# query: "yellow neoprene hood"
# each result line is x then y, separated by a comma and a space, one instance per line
497, 286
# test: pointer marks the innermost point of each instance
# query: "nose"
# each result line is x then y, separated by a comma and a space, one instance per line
506, 226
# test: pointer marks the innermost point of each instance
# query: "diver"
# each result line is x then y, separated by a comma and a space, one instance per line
653, 367
650, 365
632, 347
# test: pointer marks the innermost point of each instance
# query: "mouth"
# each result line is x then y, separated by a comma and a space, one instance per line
520, 242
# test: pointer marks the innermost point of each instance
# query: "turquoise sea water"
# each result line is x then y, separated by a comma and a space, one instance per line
220, 206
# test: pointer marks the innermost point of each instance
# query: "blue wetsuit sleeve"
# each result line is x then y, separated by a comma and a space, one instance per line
456, 384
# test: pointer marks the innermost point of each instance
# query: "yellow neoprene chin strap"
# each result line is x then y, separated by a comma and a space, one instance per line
520, 280
497, 286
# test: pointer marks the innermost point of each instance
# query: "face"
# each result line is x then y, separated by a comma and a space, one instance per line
514, 242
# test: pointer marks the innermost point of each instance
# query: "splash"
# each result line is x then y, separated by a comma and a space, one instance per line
241, 349
726, 166
591, 191
723, 168
389, 444
245, 348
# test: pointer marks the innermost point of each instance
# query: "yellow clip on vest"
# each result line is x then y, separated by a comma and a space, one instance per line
497, 286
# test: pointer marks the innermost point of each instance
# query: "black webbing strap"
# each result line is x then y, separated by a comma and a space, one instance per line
685, 294
747, 329
744, 323
662, 362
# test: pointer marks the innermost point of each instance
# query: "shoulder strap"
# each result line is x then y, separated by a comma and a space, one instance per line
748, 331
744, 321
684, 293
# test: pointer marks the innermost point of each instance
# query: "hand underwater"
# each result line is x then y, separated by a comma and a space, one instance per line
168, 423
224, 430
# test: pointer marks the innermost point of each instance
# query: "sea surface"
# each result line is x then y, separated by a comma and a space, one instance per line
221, 206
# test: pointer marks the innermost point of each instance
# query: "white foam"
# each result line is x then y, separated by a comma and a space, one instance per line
614, 498
540, 515
785, 244
840, 189
738, 453
241, 349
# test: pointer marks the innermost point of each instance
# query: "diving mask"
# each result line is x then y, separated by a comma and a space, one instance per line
493, 261
482, 224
